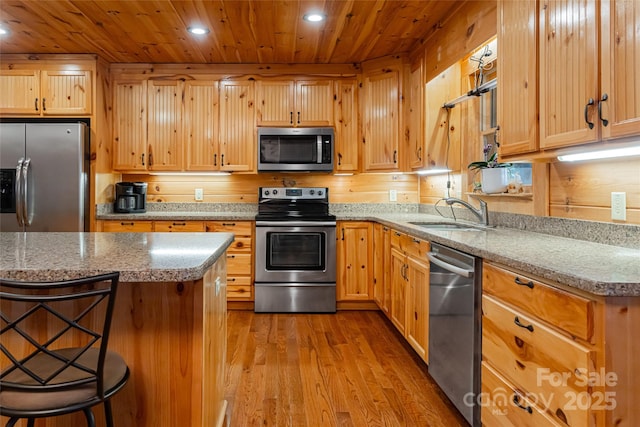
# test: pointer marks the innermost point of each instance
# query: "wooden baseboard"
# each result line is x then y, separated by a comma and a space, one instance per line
240, 305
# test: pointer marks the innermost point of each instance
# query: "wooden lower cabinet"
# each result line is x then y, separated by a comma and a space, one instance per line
239, 254
125, 226
354, 259
382, 267
239, 258
541, 356
409, 310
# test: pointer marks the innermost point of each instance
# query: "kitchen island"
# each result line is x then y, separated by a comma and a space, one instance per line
169, 322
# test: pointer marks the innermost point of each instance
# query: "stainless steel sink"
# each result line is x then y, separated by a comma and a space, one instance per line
447, 226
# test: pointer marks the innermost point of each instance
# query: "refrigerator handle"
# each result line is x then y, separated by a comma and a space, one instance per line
18, 192
26, 218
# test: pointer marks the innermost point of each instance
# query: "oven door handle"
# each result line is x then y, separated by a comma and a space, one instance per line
452, 268
295, 223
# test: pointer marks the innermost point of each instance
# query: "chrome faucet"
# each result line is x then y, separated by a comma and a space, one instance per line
482, 213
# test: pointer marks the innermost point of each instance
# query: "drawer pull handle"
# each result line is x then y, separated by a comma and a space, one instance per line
516, 400
228, 224
416, 240
528, 284
522, 325
180, 223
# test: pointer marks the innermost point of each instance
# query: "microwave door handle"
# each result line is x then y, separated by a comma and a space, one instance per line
319, 149
18, 192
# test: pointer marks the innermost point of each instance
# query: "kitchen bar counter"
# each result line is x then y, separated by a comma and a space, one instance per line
169, 321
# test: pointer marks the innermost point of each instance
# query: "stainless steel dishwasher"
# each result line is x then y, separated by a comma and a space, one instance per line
454, 327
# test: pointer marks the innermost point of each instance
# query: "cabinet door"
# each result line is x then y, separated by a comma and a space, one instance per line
346, 118
276, 103
381, 106
130, 126
620, 67
518, 76
237, 126
354, 259
398, 290
568, 72
165, 125
66, 92
442, 126
201, 125
416, 119
382, 267
20, 92
314, 103
417, 327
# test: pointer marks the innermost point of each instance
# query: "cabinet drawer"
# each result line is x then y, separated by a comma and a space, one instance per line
239, 228
177, 226
566, 311
542, 361
239, 264
504, 405
409, 245
240, 244
127, 226
239, 288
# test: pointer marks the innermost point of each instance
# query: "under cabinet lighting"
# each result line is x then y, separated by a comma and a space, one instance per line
189, 173
433, 171
602, 154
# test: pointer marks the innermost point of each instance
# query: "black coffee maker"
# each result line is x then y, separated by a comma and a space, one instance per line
131, 197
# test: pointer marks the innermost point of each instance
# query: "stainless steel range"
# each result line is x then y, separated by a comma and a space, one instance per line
295, 251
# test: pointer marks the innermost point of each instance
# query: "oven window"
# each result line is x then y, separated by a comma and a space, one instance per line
295, 251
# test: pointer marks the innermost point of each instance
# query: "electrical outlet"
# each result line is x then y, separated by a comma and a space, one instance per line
619, 206
393, 195
199, 194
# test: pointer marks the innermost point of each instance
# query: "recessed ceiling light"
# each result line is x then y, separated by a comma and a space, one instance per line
314, 17
198, 30
3, 32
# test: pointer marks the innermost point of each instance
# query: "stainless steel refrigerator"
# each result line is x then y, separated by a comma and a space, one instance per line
44, 177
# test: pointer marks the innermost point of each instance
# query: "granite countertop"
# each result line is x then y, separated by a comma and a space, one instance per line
139, 257
592, 267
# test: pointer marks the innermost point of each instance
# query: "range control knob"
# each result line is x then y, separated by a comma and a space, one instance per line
312, 192
275, 192
319, 192
266, 192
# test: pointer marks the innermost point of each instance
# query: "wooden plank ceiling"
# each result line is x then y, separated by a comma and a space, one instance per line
245, 31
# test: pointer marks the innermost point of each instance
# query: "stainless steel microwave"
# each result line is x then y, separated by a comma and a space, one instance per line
295, 149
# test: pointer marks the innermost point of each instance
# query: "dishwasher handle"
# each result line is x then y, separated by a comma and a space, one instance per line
432, 256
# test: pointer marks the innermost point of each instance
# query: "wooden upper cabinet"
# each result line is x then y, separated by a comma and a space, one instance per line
382, 120
201, 125
442, 126
130, 125
237, 126
295, 103
47, 92
164, 122
620, 68
416, 118
346, 136
20, 92
569, 93
517, 76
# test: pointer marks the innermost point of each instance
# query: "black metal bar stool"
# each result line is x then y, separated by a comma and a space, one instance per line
53, 339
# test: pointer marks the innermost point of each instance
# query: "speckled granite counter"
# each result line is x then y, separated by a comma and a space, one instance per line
139, 257
593, 267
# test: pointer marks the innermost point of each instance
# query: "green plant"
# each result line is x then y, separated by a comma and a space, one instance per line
491, 162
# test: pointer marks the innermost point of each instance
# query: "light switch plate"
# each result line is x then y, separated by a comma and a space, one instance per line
619, 206
199, 194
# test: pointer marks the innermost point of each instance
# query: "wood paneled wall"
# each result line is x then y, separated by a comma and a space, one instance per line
362, 188
583, 190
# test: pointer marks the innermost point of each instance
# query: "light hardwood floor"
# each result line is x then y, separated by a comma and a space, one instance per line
347, 369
